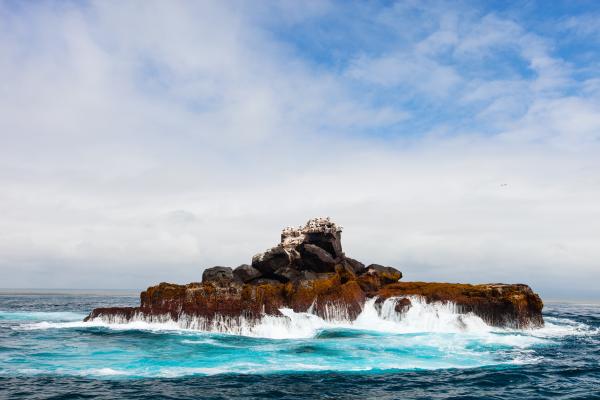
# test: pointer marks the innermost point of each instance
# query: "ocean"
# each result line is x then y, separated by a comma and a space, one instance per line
47, 352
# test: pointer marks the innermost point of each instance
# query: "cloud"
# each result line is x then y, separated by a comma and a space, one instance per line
144, 144
586, 25
421, 74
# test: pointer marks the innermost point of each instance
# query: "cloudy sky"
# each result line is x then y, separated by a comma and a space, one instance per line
144, 141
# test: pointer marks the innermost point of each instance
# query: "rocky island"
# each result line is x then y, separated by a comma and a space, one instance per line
308, 272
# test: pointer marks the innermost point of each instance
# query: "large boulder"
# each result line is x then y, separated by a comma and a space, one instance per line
375, 276
271, 260
355, 265
403, 305
314, 258
266, 282
288, 274
221, 276
385, 274
330, 242
306, 275
320, 232
245, 273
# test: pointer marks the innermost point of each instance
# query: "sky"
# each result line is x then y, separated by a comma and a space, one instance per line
144, 141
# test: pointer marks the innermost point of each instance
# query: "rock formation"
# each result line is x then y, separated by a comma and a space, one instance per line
308, 271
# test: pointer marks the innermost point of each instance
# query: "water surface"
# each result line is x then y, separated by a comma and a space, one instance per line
46, 351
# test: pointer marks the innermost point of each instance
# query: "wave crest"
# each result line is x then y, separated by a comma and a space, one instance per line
421, 317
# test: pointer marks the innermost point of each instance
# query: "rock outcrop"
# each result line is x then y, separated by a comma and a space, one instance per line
308, 271
497, 304
246, 273
221, 276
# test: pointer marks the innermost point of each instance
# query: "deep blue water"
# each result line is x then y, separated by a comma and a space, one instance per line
47, 352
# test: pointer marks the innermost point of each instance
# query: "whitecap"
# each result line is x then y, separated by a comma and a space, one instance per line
103, 372
421, 318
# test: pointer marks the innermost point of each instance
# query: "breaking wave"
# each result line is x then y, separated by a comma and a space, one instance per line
421, 317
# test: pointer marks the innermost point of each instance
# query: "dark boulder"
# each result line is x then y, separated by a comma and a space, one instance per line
379, 304
265, 281
271, 260
288, 274
320, 232
220, 276
307, 275
331, 242
316, 259
402, 305
356, 265
385, 274
246, 273
369, 283
375, 276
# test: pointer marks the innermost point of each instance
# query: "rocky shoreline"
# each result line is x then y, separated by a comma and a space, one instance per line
308, 271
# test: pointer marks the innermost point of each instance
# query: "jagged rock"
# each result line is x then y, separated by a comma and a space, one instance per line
385, 274
369, 283
514, 305
308, 275
321, 232
403, 305
315, 246
271, 260
345, 272
356, 266
498, 305
288, 274
309, 271
245, 273
265, 281
375, 276
327, 295
330, 242
316, 259
219, 275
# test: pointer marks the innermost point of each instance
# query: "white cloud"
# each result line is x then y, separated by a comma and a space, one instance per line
407, 70
586, 25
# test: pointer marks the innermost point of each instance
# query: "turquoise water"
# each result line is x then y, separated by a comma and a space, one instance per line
43, 341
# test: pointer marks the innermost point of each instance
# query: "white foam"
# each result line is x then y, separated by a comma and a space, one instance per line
103, 372
559, 327
421, 317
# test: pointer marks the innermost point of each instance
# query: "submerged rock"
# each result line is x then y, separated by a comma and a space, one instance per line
402, 305
308, 271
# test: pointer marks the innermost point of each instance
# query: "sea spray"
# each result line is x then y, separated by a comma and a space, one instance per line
421, 316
